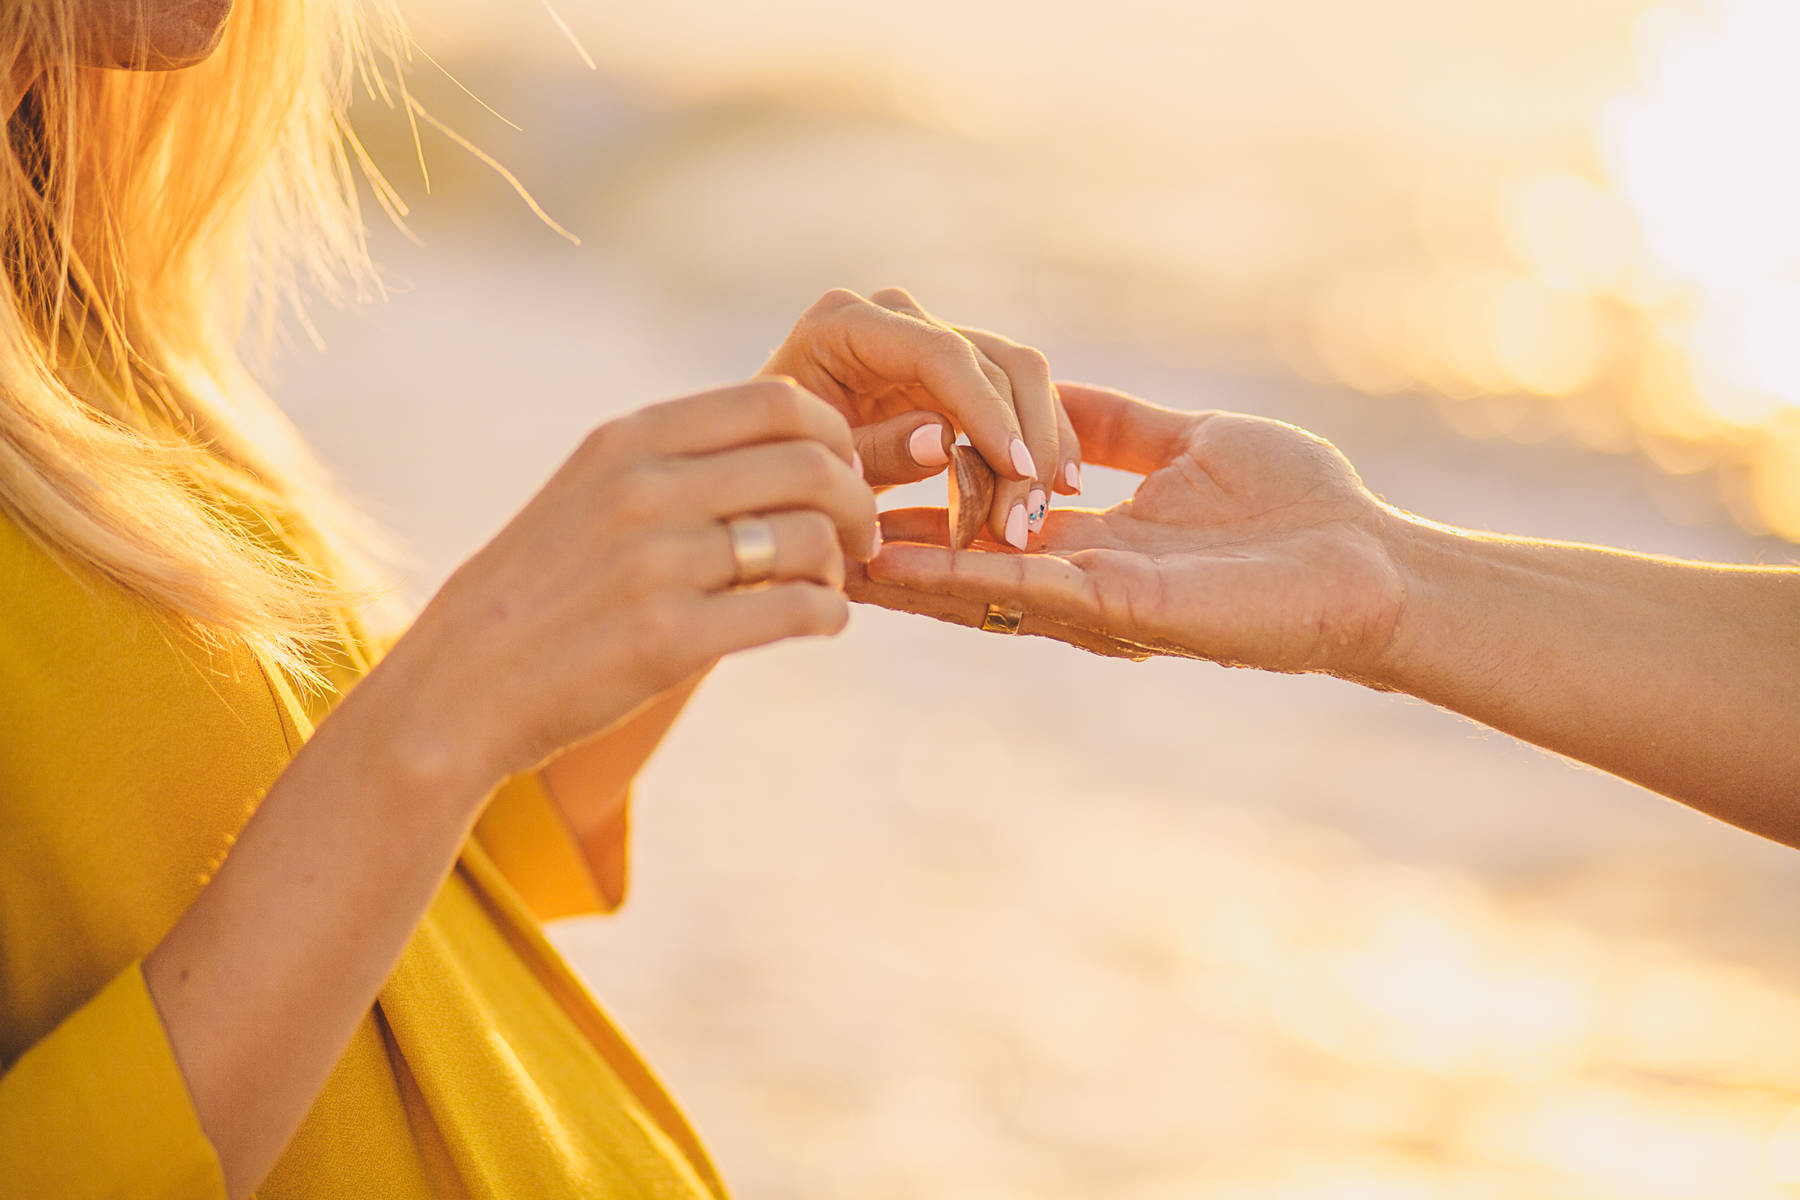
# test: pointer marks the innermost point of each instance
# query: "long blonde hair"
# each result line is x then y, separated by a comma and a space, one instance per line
144, 216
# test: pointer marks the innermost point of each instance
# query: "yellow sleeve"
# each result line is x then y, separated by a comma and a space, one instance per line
524, 833
99, 1108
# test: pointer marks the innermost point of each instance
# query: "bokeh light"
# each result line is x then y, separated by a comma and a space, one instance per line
928, 915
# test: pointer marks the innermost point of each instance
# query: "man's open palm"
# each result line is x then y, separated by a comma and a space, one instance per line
1249, 542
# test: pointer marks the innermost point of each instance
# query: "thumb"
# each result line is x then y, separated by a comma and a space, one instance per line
903, 449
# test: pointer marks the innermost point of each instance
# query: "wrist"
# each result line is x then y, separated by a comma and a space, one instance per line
1441, 569
417, 731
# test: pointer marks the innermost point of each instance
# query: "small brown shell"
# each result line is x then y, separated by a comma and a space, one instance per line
971, 495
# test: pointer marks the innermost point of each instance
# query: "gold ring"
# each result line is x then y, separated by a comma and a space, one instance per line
752, 550
1001, 620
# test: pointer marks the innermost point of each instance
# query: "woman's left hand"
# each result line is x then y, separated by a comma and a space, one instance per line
907, 382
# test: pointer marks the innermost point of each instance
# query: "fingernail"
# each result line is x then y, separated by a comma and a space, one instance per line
1015, 527
875, 547
927, 446
1022, 459
1039, 504
856, 463
1072, 473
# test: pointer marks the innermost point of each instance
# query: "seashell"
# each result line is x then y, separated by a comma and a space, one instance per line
971, 495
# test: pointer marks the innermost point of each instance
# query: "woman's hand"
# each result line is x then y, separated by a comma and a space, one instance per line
615, 582
1250, 542
889, 366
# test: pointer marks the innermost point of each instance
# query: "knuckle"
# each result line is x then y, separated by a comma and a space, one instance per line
764, 385
784, 403
603, 441
815, 466
1026, 360
889, 297
817, 610
833, 300
816, 538
945, 342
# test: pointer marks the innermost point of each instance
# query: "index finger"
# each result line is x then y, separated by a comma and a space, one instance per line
771, 409
900, 348
1119, 430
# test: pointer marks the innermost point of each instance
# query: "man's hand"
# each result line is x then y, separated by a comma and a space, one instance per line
1250, 542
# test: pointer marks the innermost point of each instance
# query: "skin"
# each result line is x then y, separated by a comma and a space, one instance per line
598, 609
609, 588
894, 372
601, 606
1253, 543
156, 35
138, 35
847, 357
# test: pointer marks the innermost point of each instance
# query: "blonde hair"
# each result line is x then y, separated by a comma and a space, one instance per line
145, 215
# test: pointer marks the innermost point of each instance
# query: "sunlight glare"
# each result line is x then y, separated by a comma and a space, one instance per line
1571, 233
1784, 1150
1705, 155
1550, 342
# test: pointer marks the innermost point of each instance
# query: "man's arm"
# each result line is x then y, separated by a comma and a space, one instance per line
1254, 543
1684, 677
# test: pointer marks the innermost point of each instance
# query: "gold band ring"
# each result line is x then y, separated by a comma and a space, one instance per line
752, 550
1002, 620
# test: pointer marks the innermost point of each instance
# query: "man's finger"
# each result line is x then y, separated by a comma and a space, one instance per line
928, 525
1119, 430
1051, 587
957, 611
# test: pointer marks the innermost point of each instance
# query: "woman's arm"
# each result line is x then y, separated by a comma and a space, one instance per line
609, 588
262, 982
901, 377
1684, 677
1254, 543
870, 359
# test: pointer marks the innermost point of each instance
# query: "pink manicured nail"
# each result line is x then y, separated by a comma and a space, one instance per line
1022, 459
1038, 505
1015, 527
1072, 473
926, 446
856, 463
875, 547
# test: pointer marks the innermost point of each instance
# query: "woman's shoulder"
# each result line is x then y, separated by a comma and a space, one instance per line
131, 754
99, 688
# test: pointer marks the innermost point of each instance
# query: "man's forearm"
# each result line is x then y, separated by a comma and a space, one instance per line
1684, 677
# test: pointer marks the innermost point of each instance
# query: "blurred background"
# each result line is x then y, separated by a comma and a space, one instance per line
925, 913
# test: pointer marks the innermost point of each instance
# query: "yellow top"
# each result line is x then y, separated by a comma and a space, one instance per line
130, 755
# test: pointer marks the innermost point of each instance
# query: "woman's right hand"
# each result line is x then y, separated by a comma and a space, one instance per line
616, 581
613, 583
